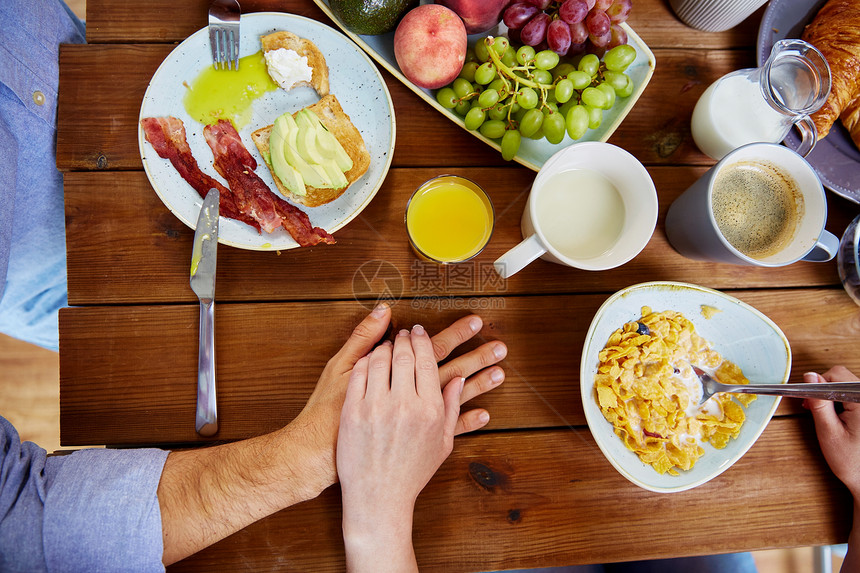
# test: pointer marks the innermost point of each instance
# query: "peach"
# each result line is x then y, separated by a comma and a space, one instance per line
430, 45
478, 15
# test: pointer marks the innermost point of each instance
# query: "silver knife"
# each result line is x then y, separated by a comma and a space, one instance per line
203, 259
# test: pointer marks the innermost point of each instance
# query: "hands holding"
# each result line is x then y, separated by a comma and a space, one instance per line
321, 417
206, 494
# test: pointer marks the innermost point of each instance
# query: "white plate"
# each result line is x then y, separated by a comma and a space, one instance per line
353, 78
532, 153
738, 332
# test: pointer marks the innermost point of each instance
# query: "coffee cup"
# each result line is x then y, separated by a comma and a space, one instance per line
761, 205
592, 206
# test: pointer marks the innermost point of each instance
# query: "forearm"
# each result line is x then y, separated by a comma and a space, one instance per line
852, 558
378, 546
207, 494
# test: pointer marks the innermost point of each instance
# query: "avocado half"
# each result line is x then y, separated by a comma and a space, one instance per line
371, 17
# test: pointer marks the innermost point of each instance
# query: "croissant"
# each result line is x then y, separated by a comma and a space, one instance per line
851, 120
835, 31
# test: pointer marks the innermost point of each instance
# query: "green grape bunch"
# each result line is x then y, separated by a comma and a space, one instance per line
507, 93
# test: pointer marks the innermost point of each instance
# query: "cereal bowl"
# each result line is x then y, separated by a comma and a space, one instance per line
740, 333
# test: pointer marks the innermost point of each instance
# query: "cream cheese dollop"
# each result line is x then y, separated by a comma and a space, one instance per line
287, 67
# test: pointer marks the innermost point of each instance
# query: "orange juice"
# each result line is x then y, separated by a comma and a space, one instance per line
449, 219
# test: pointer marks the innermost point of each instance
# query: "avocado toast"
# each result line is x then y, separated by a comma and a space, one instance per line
306, 188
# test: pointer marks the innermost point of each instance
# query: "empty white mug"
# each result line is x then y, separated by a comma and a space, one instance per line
631, 212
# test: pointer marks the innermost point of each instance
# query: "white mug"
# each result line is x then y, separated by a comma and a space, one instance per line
635, 206
714, 15
692, 227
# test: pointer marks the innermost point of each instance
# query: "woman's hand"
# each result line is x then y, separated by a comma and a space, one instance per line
397, 427
838, 434
839, 437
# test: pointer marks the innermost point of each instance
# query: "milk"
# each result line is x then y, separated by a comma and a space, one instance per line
732, 112
581, 213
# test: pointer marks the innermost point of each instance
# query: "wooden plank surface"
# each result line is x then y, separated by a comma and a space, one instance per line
532, 490
549, 498
98, 115
124, 246
128, 374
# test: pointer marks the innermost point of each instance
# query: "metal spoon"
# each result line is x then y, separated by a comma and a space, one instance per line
833, 391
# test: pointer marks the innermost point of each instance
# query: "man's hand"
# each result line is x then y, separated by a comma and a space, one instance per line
206, 494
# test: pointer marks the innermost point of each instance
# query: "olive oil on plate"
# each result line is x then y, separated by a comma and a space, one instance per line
228, 94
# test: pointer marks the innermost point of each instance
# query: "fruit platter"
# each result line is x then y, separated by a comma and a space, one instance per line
536, 75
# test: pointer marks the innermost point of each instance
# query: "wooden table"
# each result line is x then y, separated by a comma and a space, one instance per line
533, 490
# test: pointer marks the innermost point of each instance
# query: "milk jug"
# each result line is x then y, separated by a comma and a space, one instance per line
762, 104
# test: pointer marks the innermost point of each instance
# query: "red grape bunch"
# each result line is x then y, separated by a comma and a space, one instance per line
569, 26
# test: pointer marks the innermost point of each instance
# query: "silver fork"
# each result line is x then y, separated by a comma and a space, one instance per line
833, 391
224, 18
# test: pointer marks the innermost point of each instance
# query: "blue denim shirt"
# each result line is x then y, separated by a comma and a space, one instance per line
89, 511
93, 510
32, 223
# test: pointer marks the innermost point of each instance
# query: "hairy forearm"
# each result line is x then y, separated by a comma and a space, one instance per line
207, 494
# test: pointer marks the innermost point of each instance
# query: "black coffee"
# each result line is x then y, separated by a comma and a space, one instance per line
757, 207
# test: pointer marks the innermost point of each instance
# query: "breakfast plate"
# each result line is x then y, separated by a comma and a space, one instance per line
353, 78
835, 158
532, 153
739, 332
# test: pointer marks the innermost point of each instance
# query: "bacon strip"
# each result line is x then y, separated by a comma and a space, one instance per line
253, 197
167, 137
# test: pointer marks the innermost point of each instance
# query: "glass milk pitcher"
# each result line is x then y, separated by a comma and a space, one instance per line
762, 104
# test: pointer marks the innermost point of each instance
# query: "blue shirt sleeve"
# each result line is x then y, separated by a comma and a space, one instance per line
32, 230
92, 510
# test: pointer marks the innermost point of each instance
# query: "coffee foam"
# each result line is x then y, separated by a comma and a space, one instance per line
757, 207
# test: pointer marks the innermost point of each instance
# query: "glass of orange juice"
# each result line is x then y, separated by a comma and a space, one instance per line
449, 219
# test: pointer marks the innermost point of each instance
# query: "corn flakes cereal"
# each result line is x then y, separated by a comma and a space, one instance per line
709, 311
646, 388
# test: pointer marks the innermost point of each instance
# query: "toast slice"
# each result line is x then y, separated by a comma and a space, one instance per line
333, 117
303, 47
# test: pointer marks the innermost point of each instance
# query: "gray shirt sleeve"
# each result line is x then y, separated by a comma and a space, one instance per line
92, 510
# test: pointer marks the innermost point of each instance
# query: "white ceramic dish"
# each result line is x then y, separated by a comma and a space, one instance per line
532, 153
353, 78
738, 331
